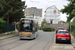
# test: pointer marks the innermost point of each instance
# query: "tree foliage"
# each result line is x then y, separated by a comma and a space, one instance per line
44, 22
69, 9
1, 7
2, 25
74, 19
12, 8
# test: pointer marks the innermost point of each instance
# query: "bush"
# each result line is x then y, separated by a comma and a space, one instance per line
48, 28
2, 25
39, 27
73, 33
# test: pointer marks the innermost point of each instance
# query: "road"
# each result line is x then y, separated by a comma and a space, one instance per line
44, 41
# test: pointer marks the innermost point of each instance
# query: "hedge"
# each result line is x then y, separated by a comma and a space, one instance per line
47, 28
2, 25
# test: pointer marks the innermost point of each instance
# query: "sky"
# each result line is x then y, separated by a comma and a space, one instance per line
43, 4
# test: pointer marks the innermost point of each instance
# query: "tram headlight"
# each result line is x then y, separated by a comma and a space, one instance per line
31, 33
19, 33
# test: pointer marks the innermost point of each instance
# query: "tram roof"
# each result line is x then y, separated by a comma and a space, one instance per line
29, 19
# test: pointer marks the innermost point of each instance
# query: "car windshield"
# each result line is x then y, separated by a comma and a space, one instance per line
61, 32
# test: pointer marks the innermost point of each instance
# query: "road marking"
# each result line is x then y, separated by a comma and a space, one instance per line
62, 47
67, 47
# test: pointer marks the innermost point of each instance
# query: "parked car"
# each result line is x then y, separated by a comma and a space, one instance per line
63, 35
59, 28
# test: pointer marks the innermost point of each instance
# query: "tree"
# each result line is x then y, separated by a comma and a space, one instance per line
1, 7
2, 25
69, 10
44, 22
12, 10
74, 19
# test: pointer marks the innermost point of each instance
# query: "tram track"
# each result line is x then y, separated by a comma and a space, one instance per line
2, 42
16, 45
35, 43
46, 47
6, 43
42, 42
19, 44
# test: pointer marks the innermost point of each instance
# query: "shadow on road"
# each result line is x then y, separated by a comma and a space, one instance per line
63, 43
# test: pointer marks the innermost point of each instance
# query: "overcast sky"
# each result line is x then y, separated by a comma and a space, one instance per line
43, 4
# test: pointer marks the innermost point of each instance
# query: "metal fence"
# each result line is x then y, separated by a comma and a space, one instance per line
6, 27
10, 27
2, 27
72, 28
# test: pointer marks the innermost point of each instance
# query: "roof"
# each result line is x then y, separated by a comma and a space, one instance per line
26, 18
30, 19
51, 6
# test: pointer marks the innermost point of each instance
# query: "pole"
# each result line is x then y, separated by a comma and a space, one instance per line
33, 15
69, 27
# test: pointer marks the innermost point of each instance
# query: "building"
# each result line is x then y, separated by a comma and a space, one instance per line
33, 11
52, 15
39, 19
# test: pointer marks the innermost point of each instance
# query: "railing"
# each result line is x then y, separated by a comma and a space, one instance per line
2, 27
6, 27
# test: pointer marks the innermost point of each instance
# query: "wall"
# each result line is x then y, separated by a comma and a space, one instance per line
55, 26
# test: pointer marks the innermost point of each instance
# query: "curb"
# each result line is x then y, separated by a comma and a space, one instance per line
73, 44
72, 41
8, 36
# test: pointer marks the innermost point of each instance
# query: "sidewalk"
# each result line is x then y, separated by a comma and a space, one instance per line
9, 36
73, 41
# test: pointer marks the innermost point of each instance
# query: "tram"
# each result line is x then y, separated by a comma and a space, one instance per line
28, 28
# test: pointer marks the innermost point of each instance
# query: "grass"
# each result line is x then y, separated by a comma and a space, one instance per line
8, 33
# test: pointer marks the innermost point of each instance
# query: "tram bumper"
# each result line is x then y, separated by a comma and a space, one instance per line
26, 37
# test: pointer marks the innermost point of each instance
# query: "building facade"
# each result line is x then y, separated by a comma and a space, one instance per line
33, 11
52, 15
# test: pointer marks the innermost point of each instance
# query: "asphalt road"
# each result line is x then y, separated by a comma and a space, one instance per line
44, 41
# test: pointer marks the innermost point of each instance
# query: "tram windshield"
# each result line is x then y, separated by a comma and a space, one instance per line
26, 25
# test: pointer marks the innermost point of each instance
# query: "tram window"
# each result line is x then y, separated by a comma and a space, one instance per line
26, 27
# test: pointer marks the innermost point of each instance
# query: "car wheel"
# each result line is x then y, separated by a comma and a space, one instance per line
20, 38
56, 41
69, 41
